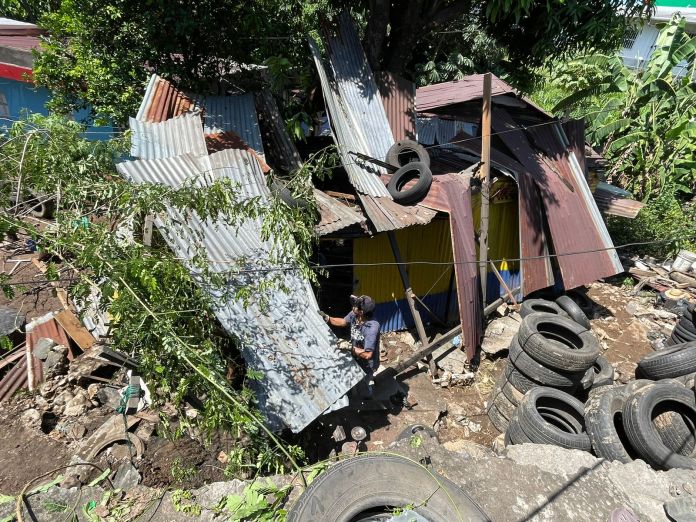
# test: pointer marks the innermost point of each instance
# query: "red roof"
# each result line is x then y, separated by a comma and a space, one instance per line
26, 43
458, 91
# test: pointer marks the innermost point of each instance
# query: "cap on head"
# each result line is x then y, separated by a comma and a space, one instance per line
364, 303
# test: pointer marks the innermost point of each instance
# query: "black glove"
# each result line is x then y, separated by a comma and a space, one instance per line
324, 316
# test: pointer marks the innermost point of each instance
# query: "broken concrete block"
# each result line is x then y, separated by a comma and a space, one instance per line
109, 397
450, 358
499, 333
79, 404
127, 477
56, 362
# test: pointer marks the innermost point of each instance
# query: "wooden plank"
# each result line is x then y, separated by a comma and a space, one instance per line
486, 182
73, 327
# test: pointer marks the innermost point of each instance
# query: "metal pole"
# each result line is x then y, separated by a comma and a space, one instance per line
486, 179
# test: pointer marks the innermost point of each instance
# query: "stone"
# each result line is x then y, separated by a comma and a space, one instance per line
498, 444
120, 452
78, 405
499, 333
41, 403
42, 348
127, 477
109, 397
31, 417
450, 358
56, 362
77, 431
92, 390
71, 481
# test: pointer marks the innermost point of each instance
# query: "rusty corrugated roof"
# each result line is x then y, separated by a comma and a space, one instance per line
399, 99
335, 215
467, 89
162, 101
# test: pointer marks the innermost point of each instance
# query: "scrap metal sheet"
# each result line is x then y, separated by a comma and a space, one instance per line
173, 137
280, 332
349, 134
569, 215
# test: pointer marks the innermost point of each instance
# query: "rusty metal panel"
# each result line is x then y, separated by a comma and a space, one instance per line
459, 91
359, 125
173, 137
609, 203
572, 226
386, 214
399, 99
575, 131
304, 372
335, 215
47, 328
15, 379
163, 101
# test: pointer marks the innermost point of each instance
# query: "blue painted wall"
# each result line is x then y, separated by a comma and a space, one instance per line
25, 97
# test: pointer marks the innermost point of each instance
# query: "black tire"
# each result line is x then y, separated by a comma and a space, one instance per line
498, 420
499, 400
375, 484
535, 306
677, 338
515, 433
684, 333
688, 325
638, 413
513, 394
604, 424
518, 379
586, 304
407, 151
677, 360
540, 373
416, 429
633, 386
406, 174
558, 342
677, 432
603, 372
573, 310
546, 426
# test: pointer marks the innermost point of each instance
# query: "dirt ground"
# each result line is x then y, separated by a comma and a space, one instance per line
623, 323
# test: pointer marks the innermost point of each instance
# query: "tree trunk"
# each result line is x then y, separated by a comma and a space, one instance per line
376, 32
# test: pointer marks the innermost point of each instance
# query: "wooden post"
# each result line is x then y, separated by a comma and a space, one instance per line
486, 179
502, 282
409, 298
147, 229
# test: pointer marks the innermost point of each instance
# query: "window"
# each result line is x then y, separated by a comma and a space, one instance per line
4, 109
630, 36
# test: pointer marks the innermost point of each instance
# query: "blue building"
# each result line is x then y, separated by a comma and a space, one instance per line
18, 94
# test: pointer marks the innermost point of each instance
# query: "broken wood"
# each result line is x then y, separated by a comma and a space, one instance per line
341, 195
74, 328
502, 282
425, 351
147, 229
495, 304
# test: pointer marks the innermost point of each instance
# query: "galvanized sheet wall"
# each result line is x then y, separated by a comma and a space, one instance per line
280, 334
399, 99
180, 135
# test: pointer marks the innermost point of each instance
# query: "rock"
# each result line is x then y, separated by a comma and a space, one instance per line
499, 444
43, 347
31, 417
92, 390
41, 403
77, 431
79, 404
450, 358
120, 452
625, 371
56, 362
71, 481
109, 397
552, 459
127, 477
499, 333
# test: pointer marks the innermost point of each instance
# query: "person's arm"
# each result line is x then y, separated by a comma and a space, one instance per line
362, 353
340, 322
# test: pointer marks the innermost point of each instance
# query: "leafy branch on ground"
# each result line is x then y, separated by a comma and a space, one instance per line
160, 315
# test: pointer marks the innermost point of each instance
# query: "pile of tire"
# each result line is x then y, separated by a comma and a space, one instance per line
553, 349
685, 329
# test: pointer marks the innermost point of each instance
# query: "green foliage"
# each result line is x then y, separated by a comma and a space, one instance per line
160, 316
643, 121
184, 502
662, 219
257, 502
182, 473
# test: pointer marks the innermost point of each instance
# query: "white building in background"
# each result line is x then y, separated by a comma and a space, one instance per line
639, 43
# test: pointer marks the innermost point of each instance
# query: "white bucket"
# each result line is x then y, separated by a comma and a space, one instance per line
684, 261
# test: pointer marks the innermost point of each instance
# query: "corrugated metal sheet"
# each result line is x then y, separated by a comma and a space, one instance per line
439, 95
14, 379
163, 101
173, 137
335, 215
386, 214
396, 315
347, 123
304, 374
230, 140
567, 202
280, 150
609, 203
399, 99
433, 129
236, 113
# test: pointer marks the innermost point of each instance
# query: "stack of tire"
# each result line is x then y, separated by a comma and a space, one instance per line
685, 329
653, 418
554, 349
